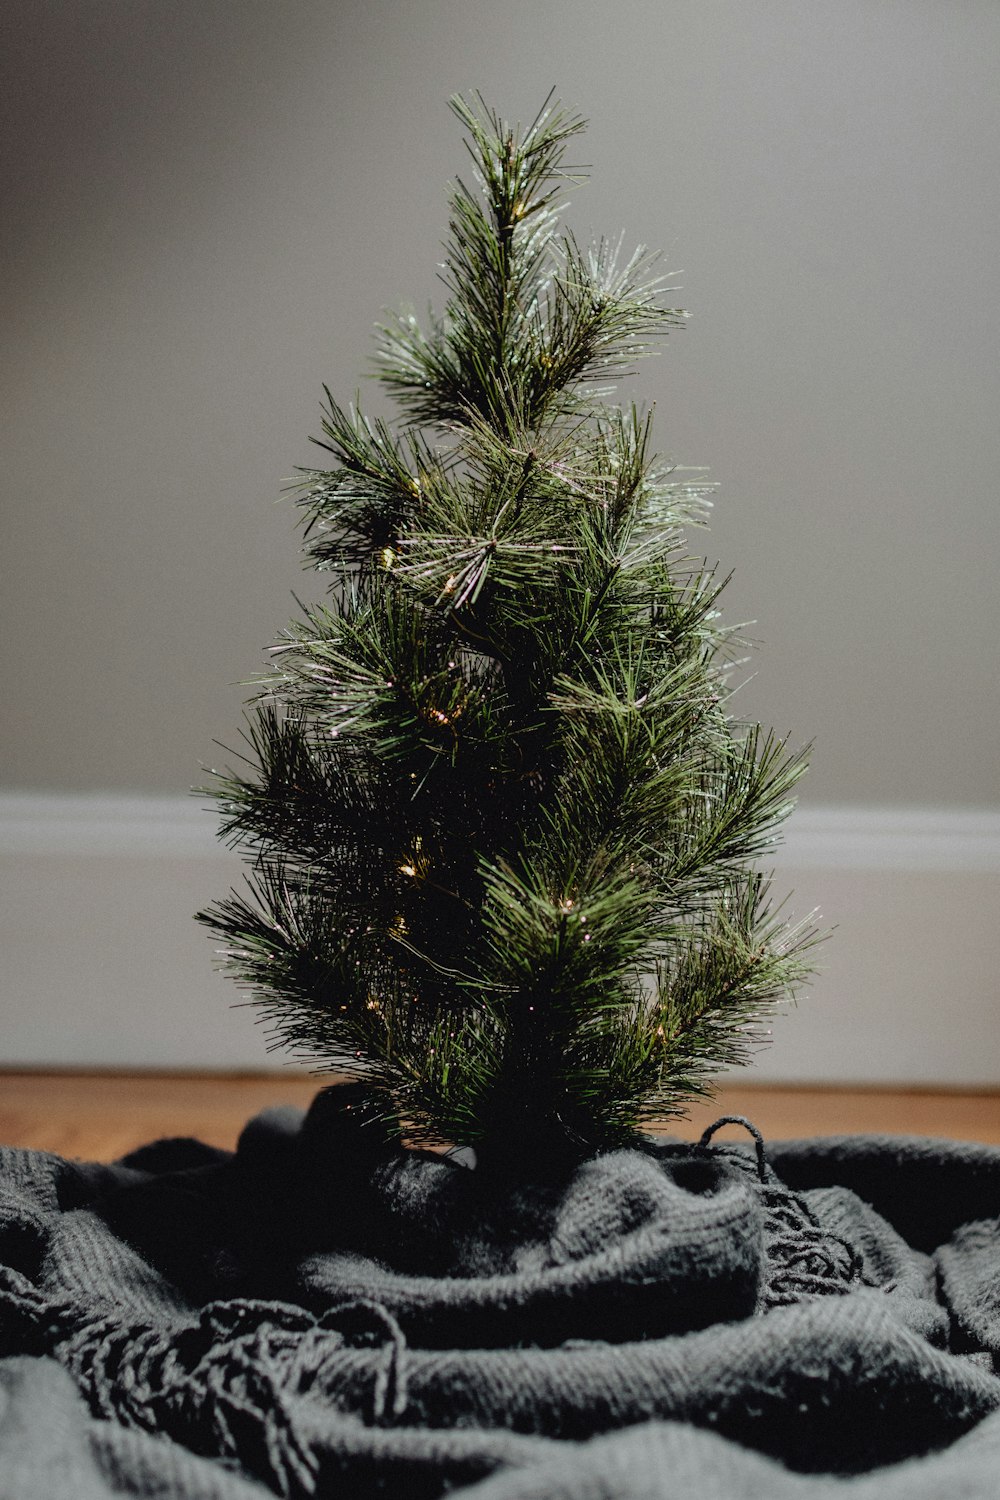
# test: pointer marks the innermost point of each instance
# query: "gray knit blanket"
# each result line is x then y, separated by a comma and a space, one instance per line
321, 1314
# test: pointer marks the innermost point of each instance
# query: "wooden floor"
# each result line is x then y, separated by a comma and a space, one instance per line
101, 1116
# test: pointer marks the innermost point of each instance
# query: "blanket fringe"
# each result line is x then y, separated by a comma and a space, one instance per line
803, 1259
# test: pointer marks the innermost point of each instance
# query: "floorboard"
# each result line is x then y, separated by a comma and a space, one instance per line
102, 1116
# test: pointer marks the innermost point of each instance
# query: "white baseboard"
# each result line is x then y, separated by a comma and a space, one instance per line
103, 965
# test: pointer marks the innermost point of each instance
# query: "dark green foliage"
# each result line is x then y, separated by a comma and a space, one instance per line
503, 823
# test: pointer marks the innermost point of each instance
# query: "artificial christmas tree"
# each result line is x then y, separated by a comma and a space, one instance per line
504, 834
503, 825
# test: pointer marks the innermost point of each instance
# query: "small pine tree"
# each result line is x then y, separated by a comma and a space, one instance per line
503, 824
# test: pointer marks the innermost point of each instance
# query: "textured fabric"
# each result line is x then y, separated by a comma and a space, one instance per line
320, 1314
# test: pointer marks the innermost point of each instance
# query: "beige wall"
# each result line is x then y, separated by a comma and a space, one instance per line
207, 202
